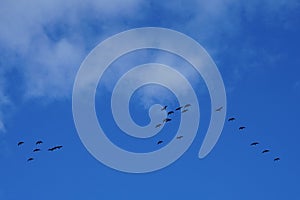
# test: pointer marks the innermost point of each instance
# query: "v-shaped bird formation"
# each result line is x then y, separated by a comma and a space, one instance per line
38, 149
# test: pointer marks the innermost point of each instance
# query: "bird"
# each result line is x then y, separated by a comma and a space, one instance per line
254, 143
266, 151
58, 147
39, 142
171, 112
242, 127
219, 109
276, 159
167, 120
159, 142
179, 137
158, 125
179, 108
187, 105
185, 110
231, 119
35, 150
20, 143
164, 108
30, 159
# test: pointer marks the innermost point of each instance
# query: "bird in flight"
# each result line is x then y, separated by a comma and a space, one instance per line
242, 127
20, 143
179, 137
167, 120
219, 109
51, 149
185, 110
164, 108
36, 150
276, 159
30, 159
39, 142
159, 142
254, 143
158, 125
231, 119
266, 151
179, 108
187, 105
171, 112
58, 147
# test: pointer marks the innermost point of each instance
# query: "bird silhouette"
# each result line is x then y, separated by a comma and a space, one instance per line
266, 151
187, 105
158, 125
51, 149
20, 143
179, 137
254, 143
179, 108
242, 127
30, 159
219, 109
167, 120
39, 142
36, 150
58, 147
159, 142
164, 108
185, 110
231, 119
171, 112
276, 159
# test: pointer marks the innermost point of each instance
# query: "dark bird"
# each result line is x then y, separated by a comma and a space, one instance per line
276, 159
20, 143
51, 149
171, 112
231, 119
30, 159
159, 142
39, 142
187, 105
179, 137
164, 108
36, 150
158, 125
167, 120
242, 127
266, 151
179, 108
58, 147
219, 109
185, 110
254, 143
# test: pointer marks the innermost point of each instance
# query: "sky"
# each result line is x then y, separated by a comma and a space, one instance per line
255, 45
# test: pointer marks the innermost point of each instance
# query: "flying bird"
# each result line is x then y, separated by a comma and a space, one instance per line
171, 112
58, 147
20, 143
159, 142
185, 110
266, 151
276, 159
179, 108
30, 159
51, 149
254, 143
36, 150
167, 120
158, 125
39, 142
242, 127
187, 105
219, 109
164, 108
231, 119
179, 137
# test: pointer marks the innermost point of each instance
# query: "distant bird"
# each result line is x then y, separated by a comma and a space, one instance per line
39, 142
158, 125
185, 110
242, 127
164, 108
231, 119
30, 159
159, 142
276, 159
219, 109
179, 108
51, 149
179, 137
58, 147
36, 150
254, 143
187, 105
20, 143
171, 112
167, 120
266, 151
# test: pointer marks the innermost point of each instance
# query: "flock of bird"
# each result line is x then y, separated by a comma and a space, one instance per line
37, 149
184, 109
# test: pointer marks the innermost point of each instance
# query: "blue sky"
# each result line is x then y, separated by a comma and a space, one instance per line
255, 46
